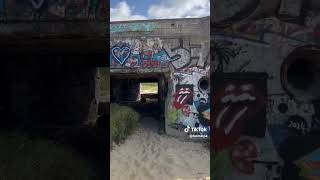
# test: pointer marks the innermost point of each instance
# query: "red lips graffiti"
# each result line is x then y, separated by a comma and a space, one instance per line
234, 105
183, 96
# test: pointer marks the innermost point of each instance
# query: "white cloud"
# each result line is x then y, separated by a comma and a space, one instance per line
179, 9
123, 12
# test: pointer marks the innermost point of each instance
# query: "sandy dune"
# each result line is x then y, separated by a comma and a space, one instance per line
147, 155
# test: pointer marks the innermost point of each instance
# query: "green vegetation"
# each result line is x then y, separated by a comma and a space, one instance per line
22, 158
124, 121
146, 88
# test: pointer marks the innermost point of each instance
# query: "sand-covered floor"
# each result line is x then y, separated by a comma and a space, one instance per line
146, 155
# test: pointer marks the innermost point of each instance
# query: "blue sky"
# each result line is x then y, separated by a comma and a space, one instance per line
124, 10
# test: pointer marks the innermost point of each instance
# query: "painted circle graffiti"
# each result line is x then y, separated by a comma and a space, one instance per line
283, 108
242, 154
300, 75
203, 84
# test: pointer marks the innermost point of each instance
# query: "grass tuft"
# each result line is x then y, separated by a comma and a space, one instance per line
124, 120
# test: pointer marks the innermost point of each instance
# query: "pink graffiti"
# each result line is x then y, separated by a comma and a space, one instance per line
133, 62
147, 55
151, 64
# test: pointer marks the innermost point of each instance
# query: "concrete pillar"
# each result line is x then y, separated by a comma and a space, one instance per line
94, 104
97, 85
162, 98
133, 90
116, 90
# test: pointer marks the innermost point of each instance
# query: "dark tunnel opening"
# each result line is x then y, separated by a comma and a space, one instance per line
143, 93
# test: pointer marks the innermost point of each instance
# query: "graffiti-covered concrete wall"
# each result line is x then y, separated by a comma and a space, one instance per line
44, 26
266, 70
178, 49
52, 10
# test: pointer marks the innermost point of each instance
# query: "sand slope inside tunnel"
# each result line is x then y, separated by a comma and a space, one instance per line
146, 155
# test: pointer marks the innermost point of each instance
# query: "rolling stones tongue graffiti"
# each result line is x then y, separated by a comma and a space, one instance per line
239, 104
183, 96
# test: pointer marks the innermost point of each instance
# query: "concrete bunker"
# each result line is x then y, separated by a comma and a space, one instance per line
178, 51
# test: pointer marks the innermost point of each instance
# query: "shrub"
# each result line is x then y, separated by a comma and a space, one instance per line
124, 120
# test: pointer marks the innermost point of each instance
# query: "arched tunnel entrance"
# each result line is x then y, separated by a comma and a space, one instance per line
145, 93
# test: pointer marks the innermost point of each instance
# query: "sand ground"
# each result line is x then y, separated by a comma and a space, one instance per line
146, 155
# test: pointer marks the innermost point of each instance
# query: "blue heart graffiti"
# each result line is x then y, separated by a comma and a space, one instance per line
121, 54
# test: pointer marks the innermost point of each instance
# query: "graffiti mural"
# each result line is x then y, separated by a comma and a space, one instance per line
288, 118
240, 107
309, 164
291, 125
146, 47
121, 54
249, 158
191, 99
260, 31
132, 27
48, 9
226, 52
147, 53
183, 96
